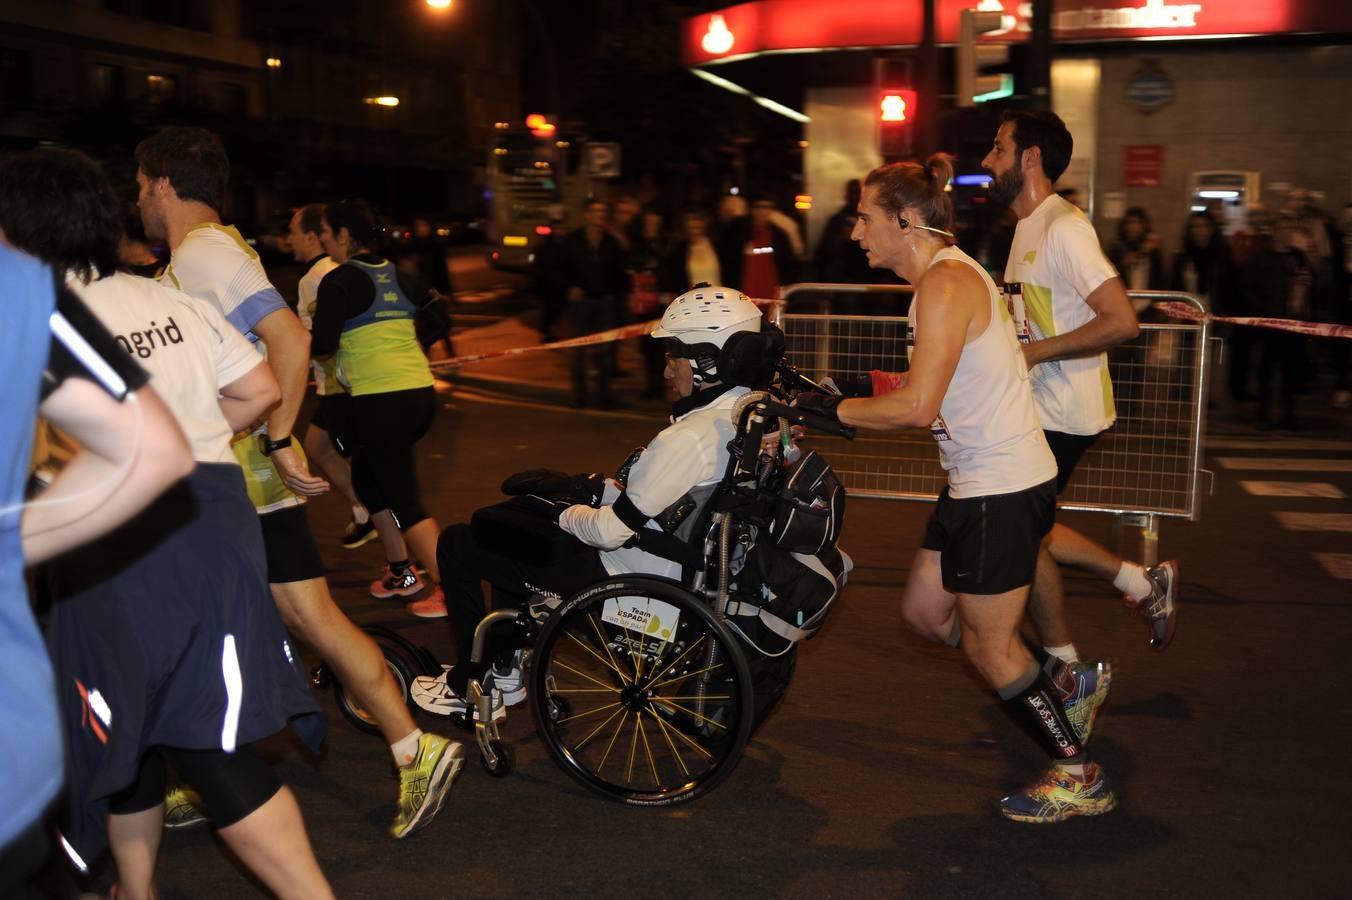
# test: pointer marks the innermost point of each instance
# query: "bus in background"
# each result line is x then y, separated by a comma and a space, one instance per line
532, 181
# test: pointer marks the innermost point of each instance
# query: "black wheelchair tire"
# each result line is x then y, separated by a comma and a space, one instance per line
403, 674
547, 719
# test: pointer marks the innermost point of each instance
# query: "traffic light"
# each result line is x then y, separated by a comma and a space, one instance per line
896, 122
976, 58
539, 125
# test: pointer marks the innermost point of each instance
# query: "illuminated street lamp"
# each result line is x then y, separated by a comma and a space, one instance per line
385, 101
439, 4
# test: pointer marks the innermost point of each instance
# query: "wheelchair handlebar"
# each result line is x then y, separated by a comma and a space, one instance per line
796, 416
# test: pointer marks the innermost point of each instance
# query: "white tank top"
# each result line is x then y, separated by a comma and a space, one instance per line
990, 441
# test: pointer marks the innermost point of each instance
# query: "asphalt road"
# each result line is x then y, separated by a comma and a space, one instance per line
879, 774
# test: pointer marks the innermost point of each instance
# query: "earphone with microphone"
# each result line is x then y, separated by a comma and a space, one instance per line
903, 224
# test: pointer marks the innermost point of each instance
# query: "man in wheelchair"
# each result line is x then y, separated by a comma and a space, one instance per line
586, 528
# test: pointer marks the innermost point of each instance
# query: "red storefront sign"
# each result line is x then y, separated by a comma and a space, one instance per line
768, 26
1143, 165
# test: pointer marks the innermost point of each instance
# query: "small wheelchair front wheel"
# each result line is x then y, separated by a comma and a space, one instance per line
640, 692
505, 759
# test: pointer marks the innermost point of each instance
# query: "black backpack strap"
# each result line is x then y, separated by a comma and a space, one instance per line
649, 540
633, 518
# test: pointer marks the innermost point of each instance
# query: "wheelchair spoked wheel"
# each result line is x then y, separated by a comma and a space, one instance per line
640, 693
357, 714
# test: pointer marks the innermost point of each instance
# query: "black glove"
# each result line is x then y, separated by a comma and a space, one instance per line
819, 404
553, 485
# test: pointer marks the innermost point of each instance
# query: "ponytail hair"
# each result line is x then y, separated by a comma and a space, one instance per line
925, 188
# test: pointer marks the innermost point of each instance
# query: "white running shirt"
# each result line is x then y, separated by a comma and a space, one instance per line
187, 347
989, 438
326, 382
1057, 260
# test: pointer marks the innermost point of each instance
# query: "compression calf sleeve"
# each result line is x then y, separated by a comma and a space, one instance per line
1034, 700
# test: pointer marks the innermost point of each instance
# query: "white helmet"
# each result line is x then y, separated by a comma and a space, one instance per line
699, 322
708, 314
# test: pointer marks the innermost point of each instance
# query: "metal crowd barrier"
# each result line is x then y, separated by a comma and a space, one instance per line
1147, 466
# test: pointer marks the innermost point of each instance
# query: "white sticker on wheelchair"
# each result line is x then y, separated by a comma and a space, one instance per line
643, 615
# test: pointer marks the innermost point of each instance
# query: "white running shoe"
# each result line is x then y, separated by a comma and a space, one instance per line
511, 682
434, 695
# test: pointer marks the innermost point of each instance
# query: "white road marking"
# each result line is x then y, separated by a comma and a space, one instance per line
1307, 521
1279, 464
1292, 489
1339, 565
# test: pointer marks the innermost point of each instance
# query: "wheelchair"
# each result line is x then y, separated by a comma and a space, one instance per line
645, 690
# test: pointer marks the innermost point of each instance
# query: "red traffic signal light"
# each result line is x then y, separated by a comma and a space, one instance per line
896, 121
896, 107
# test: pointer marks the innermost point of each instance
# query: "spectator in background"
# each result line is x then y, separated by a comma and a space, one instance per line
758, 256
1136, 253
691, 260
1203, 266
549, 276
597, 286
1277, 280
838, 259
1342, 366
425, 256
624, 220
649, 247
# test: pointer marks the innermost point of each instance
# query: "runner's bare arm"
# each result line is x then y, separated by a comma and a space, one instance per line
944, 312
288, 346
249, 396
1114, 322
93, 493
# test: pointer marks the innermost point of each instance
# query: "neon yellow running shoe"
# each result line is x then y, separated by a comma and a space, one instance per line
1058, 795
425, 782
183, 807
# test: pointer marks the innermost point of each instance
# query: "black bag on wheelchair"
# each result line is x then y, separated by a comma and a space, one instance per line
810, 508
783, 598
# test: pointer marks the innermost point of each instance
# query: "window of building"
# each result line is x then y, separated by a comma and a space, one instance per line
106, 83
161, 88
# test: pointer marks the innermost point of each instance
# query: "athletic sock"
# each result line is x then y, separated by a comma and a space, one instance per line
1033, 699
1065, 653
405, 750
1131, 581
398, 567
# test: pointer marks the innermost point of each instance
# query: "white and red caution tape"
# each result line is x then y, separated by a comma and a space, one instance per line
1315, 329
623, 333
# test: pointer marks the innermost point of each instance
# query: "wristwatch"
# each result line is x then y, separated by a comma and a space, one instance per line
267, 446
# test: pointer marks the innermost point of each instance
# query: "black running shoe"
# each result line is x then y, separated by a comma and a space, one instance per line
354, 535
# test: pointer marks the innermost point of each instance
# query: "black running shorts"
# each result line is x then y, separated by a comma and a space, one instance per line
290, 546
333, 415
989, 545
1067, 448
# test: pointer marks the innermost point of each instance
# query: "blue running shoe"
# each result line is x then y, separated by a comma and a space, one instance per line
1084, 688
1058, 795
